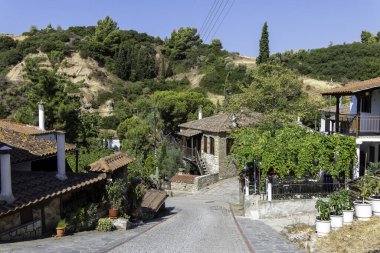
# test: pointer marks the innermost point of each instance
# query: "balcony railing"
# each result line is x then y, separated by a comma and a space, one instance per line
354, 124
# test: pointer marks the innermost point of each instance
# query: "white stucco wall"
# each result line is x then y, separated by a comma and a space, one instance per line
366, 124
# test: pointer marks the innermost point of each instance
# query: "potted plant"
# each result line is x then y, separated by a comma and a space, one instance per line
61, 226
323, 222
363, 209
336, 207
375, 198
348, 211
116, 195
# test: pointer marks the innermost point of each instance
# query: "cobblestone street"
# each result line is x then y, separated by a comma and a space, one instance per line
201, 222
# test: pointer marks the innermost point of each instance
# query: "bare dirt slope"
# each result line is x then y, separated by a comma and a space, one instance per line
91, 78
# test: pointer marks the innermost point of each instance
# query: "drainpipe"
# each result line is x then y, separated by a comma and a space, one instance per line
41, 116
6, 179
61, 159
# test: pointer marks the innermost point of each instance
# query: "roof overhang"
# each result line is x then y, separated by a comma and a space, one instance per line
189, 132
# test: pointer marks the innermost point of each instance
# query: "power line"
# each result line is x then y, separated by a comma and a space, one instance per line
217, 19
224, 17
205, 31
208, 16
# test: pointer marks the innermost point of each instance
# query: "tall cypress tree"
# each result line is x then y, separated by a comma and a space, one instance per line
264, 45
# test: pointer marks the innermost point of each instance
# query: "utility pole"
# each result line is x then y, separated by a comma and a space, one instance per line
226, 91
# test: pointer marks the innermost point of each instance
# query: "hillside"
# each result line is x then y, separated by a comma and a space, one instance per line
341, 63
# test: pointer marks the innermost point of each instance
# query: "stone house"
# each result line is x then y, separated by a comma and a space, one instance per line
36, 190
206, 142
115, 165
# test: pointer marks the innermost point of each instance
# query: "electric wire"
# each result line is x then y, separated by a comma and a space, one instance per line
217, 19
211, 10
206, 31
224, 17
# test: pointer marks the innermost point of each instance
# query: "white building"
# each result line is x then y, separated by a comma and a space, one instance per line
362, 120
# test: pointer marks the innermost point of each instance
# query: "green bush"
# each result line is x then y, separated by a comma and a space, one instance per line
105, 225
116, 191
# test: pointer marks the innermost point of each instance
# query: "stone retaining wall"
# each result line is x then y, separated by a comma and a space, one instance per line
181, 186
262, 209
26, 231
206, 180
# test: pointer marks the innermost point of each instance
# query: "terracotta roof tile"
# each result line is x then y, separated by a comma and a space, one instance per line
33, 187
28, 147
223, 122
23, 128
183, 178
110, 163
354, 87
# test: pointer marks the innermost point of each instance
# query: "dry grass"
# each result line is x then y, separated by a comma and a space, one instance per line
361, 236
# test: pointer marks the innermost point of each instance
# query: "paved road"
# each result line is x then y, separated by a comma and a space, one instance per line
203, 224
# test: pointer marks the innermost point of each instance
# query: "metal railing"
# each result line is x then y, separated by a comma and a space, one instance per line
303, 190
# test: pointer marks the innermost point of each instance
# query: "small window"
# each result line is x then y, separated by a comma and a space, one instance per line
212, 143
230, 142
366, 103
205, 144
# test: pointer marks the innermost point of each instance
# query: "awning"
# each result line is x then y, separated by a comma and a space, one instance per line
189, 132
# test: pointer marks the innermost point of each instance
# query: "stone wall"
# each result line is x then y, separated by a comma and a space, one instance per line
52, 214
26, 231
206, 180
9, 221
180, 186
262, 209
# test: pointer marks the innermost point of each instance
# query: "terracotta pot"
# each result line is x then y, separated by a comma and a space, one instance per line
60, 232
113, 214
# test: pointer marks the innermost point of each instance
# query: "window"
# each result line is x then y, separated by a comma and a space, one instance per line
366, 103
205, 144
212, 143
230, 142
371, 154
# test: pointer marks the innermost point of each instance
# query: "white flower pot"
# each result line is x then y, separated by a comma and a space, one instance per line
348, 217
323, 227
375, 206
336, 221
363, 211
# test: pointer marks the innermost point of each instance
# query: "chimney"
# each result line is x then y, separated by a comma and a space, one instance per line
41, 116
200, 113
234, 121
6, 180
61, 161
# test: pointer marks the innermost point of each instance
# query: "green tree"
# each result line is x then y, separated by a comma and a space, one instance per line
179, 107
181, 42
136, 136
104, 28
367, 37
264, 45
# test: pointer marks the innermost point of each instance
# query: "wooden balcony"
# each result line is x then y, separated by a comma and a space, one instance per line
353, 124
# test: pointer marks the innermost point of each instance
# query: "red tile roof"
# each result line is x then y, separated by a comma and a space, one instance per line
22, 128
30, 188
354, 87
28, 147
110, 163
183, 178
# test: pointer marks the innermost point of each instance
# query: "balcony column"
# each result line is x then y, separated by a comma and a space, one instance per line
337, 114
358, 110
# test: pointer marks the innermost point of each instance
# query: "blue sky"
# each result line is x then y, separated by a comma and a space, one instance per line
293, 24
